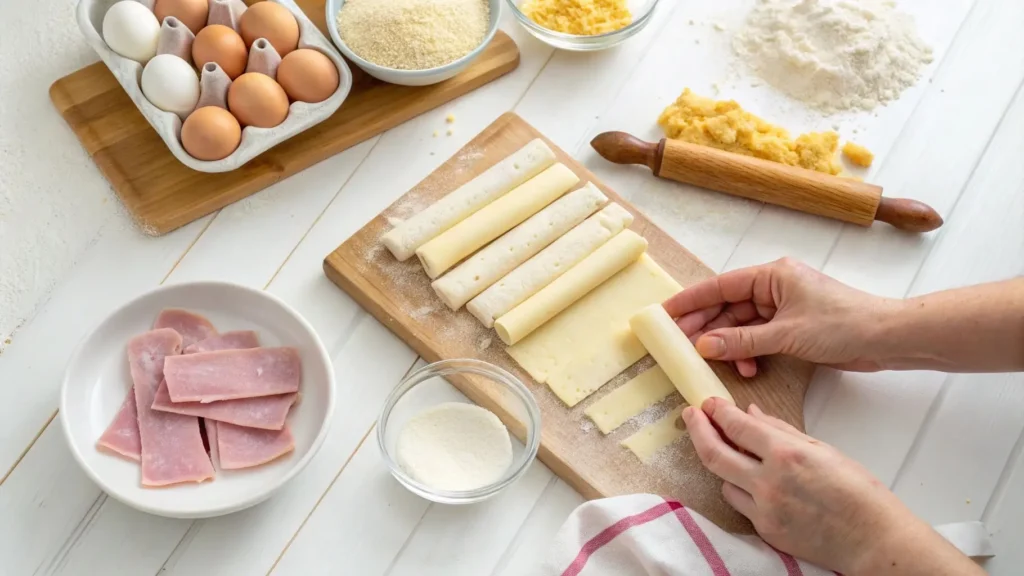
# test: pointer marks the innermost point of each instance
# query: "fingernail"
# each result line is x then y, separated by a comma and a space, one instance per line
687, 414
711, 346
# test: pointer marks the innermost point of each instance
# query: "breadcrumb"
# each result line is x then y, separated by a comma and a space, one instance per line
579, 17
727, 126
858, 154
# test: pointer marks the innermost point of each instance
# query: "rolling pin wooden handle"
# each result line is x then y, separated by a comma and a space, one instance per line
907, 214
622, 148
796, 188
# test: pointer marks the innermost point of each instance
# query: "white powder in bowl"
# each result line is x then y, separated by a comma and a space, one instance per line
833, 54
454, 446
413, 34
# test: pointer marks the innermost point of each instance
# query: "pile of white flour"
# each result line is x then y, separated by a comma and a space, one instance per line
833, 54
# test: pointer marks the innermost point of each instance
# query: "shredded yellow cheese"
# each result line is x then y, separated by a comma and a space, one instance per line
727, 126
579, 17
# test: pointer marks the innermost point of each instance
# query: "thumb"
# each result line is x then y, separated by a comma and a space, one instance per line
740, 342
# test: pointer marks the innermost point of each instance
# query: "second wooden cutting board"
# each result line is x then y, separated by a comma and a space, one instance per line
399, 295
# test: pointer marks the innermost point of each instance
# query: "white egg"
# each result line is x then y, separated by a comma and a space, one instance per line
171, 84
131, 30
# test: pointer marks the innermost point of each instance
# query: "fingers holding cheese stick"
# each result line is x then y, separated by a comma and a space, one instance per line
674, 352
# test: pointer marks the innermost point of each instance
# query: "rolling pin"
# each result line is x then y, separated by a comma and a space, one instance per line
796, 188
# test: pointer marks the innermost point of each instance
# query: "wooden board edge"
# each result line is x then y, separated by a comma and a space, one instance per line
59, 97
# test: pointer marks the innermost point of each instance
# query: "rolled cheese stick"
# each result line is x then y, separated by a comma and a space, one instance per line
499, 257
495, 219
591, 272
525, 163
670, 347
550, 263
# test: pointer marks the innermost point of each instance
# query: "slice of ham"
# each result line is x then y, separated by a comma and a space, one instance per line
236, 340
192, 327
266, 412
172, 448
211, 436
122, 436
230, 374
240, 447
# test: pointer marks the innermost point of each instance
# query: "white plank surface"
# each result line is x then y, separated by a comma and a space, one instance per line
531, 543
951, 447
962, 448
100, 283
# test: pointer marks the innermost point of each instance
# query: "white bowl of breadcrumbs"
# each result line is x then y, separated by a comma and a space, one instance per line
412, 42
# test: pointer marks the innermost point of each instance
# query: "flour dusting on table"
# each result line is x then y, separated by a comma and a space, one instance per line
54, 203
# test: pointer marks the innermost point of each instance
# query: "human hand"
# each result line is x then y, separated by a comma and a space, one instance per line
783, 307
807, 499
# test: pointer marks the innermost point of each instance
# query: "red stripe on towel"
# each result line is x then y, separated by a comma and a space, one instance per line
792, 567
608, 534
707, 549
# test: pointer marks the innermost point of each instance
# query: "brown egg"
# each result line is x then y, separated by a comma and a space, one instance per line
307, 76
210, 133
256, 100
222, 45
273, 22
192, 13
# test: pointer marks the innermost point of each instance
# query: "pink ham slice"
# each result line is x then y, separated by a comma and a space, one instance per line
211, 436
236, 340
240, 447
230, 374
122, 436
267, 412
172, 448
192, 327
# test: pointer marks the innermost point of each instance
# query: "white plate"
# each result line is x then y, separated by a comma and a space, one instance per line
97, 380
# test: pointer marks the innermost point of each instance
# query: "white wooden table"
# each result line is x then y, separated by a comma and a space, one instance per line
950, 446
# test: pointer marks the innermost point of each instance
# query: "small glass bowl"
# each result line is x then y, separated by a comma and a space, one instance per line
426, 387
642, 11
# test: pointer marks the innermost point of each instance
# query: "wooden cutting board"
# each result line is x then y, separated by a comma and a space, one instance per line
399, 295
163, 194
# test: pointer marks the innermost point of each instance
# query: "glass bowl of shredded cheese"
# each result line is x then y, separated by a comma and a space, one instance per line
441, 446
583, 26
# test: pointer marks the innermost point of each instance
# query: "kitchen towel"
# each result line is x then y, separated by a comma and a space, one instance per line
645, 534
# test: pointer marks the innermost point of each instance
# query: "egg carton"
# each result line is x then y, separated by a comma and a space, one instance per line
255, 141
